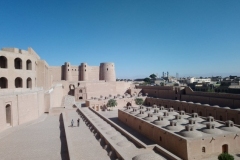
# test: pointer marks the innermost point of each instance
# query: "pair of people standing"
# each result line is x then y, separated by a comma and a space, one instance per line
78, 122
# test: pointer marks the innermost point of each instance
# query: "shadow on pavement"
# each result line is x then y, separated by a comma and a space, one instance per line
64, 147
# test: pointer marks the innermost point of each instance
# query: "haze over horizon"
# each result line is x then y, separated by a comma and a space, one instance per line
192, 38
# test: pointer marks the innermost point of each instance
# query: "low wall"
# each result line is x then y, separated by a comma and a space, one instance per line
22, 108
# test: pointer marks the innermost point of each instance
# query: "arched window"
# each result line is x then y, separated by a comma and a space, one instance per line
29, 65
29, 82
18, 82
18, 63
8, 114
3, 62
80, 91
203, 149
3, 82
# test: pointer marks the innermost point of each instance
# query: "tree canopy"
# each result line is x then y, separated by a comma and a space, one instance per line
147, 80
225, 156
112, 103
139, 101
153, 76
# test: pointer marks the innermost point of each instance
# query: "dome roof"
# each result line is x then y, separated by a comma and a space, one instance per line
226, 107
199, 125
198, 119
185, 116
215, 106
158, 114
182, 121
128, 110
150, 118
198, 103
163, 122
211, 131
190, 102
206, 105
230, 129
148, 156
214, 122
134, 112
176, 128
141, 114
173, 113
191, 134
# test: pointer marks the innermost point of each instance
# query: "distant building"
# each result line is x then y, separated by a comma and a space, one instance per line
198, 80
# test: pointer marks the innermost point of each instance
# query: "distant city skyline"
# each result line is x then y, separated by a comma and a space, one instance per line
192, 38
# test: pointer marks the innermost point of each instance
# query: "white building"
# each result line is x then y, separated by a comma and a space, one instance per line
198, 80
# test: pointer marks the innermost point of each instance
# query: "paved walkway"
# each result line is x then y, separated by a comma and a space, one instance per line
84, 144
37, 140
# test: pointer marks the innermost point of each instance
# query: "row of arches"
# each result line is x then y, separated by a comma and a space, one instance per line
17, 63
18, 82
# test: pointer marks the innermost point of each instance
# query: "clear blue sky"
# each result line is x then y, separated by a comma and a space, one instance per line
193, 38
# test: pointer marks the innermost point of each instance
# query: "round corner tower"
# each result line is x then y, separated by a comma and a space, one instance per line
68, 71
84, 71
107, 72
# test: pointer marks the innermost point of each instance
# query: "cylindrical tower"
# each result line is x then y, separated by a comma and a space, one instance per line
68, 71
107, 72
84, 71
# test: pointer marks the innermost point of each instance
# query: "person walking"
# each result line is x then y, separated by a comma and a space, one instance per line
78, 121
72, 122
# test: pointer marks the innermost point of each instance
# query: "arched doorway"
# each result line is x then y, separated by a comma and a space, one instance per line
225, 148
29, 65
29, 82
129, 104
3, 62
3, 82
71, 90
18, 82
18, 63
8, 115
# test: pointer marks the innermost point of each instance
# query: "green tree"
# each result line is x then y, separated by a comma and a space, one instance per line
147, 80
153, 76
139, 101
112, 103
225, 156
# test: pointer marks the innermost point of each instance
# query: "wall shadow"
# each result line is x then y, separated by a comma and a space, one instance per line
64, 147
131, 131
